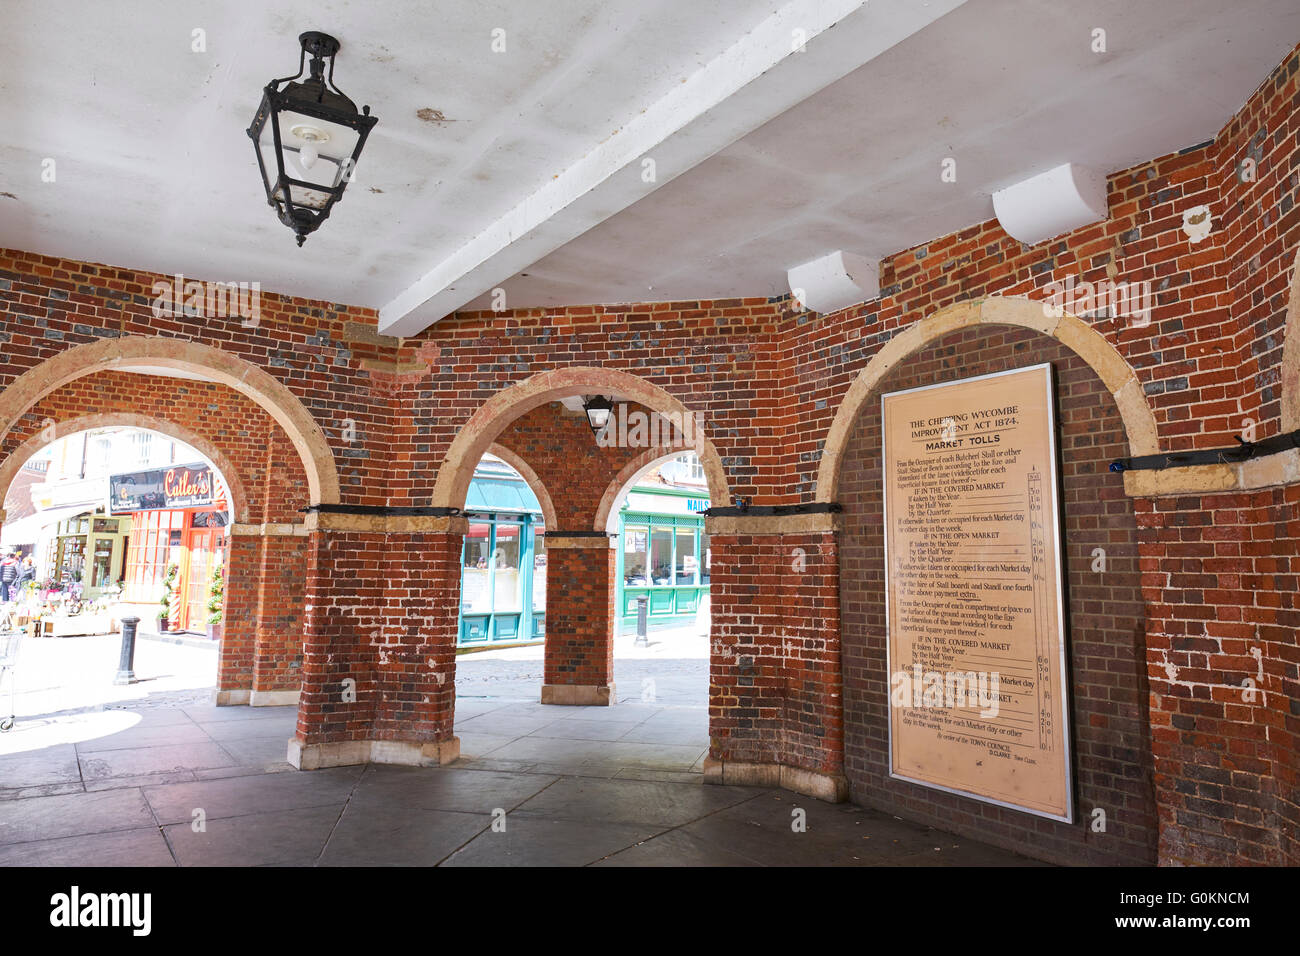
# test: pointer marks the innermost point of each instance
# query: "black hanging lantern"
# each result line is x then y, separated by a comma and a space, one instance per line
308, 137
598, 409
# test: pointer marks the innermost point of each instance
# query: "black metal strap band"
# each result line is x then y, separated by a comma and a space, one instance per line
744, 508
382, 511
1244, 451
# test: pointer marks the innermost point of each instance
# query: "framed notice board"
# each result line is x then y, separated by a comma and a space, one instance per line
973, 591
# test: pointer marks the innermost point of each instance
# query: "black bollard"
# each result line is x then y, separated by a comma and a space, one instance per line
126, 666
642, 622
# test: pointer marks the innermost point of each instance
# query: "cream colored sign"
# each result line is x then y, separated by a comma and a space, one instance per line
976, 643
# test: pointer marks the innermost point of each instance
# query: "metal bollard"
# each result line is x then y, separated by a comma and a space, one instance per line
642, 622
126, 666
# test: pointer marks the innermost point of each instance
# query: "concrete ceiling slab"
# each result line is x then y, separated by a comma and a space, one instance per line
154, 170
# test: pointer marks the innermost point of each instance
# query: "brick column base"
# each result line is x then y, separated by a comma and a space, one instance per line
345, 753
775, 711
831, 787
585, 695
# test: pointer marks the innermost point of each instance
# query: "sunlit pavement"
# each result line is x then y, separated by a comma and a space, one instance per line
153, 774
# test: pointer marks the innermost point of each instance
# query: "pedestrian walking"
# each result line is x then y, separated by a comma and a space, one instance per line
26, 575
8, 575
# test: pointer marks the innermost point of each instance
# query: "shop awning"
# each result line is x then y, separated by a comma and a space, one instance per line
500, 494
27, 530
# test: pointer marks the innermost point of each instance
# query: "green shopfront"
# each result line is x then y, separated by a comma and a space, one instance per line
503, 565
662, 555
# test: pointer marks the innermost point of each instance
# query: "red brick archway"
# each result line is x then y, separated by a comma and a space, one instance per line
482, 429
1111, 727
158, 354
52, 430
261, 649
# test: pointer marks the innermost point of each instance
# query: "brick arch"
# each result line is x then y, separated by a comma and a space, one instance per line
256, 456
630, 472
194, 358
1112, 701
72, 426
1114, 371
1291, 354
492, 418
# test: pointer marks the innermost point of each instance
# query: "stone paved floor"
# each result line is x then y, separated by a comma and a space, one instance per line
123, 783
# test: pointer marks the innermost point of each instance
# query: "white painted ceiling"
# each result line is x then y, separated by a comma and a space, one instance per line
836, 147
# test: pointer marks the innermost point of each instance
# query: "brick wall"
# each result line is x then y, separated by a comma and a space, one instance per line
281, 582
1111, 743
263, 461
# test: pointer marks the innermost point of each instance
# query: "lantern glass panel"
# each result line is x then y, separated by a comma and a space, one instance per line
333, 153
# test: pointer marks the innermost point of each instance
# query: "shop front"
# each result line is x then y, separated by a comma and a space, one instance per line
87, 551
663, 556
180, 519
503, 567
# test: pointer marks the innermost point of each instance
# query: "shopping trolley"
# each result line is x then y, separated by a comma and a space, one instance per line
11, 639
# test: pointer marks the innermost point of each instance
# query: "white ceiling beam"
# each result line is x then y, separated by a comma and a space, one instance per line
760, 76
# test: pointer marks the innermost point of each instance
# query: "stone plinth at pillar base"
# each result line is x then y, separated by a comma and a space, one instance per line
274, 698
231, 698
346, 753
582, 695
831, 787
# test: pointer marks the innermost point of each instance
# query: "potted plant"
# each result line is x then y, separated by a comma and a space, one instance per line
166, 610
216, 600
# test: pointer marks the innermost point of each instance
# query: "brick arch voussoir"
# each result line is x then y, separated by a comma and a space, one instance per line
1077, 335
54, 430
478, 434
205, 361
1291, 354
634, 468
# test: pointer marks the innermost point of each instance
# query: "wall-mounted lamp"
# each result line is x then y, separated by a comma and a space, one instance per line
598, 409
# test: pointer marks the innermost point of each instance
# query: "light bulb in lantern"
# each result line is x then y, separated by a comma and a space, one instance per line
310, 151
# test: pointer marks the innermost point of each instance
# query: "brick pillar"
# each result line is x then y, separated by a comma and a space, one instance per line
775, 700
579, 620
240, 618
415, 669
379, 658
277, 663
261, 640
1221, 642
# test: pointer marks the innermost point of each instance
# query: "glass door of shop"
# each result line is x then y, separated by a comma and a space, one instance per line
203, 546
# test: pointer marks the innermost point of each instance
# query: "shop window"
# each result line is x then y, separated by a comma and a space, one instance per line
635, 556
101, 568
71, 559
686, 566
475, 598
505, 557
661, 556
706, 554
539, 567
